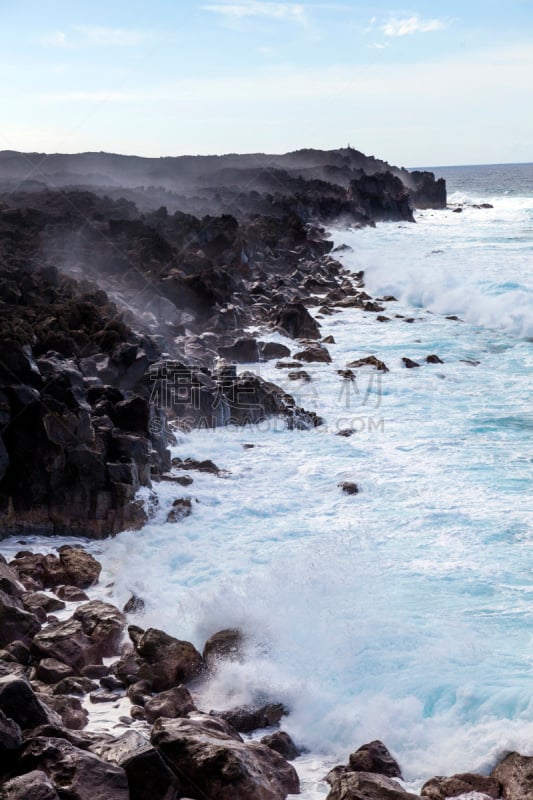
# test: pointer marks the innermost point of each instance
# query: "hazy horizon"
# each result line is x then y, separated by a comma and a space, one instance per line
444, 84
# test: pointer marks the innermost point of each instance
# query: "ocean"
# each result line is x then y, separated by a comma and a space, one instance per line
404, 612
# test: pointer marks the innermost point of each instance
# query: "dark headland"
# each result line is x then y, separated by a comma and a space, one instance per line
127, 287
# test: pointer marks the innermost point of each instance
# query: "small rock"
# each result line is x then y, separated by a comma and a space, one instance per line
409, 364
282, 743
181, 508
135, 605
172, 703
370, 361
314, 354
348, 487
433, 359
72, 594
375, 757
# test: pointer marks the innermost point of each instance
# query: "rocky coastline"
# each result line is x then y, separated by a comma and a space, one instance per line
127, 294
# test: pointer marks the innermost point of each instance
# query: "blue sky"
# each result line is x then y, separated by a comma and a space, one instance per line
432, 83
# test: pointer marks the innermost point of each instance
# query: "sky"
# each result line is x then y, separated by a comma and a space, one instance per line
433, 83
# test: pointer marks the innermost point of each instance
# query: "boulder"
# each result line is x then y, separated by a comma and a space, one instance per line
172, 703
35, 785
281, 742
36, 602
81, 568
225, 645
67, 642
212, 763
104, 624
242, 351
148, 776
375, 757
19, 703
367, 786
10, 739
71, 594
15, 623
271, 350
317, 353
50, 670
370, 361
81, 775
440, 788
250, 718
167, 661
295, 321
515, 775
71, 712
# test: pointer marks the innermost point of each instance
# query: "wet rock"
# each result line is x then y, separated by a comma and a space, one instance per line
50, 670
67, 642
73, 715
167, 661
375, 757
370, 361
81, 568
348, 487
289, 365
367, 786
75, 684
71, 594
20, 651
105, 625
295, 321
271, 350
346, 374
103, 696
299, 375
81, 775
246, 719
409, 363
433, 359
181, 508
148, 776
440, 788
515, 775
346, 432
312, 354
328, 340
35, 785
10, 739
19, 702
225, 645
15, 623
35, 601
95, 671
212, 763
9, 581
172, 703
281, 742
193, 464
242, 351
135, 605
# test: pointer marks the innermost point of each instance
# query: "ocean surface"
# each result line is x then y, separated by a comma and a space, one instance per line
405, 612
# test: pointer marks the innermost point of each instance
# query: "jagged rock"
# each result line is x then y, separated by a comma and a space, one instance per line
81, 775
242, 351
300, 375
440, 788
67, 642
367, 786
148, 776
71, 594
75, 684
35, 601
375, 757
167, 661
105, 625
50, 670
19, 702
9, 581
181, 508
15, 623
409, 363
271, 350
515, 776
225, 645
210, 762
348, 487
295, 321
10, 739
249, 718
311, 354
370, 361
172, 703
73, 715
35, 785
135, 605
193, 464
281, 742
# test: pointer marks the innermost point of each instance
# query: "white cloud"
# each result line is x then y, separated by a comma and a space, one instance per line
294, 12
409, 25
379, 45
93, 36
